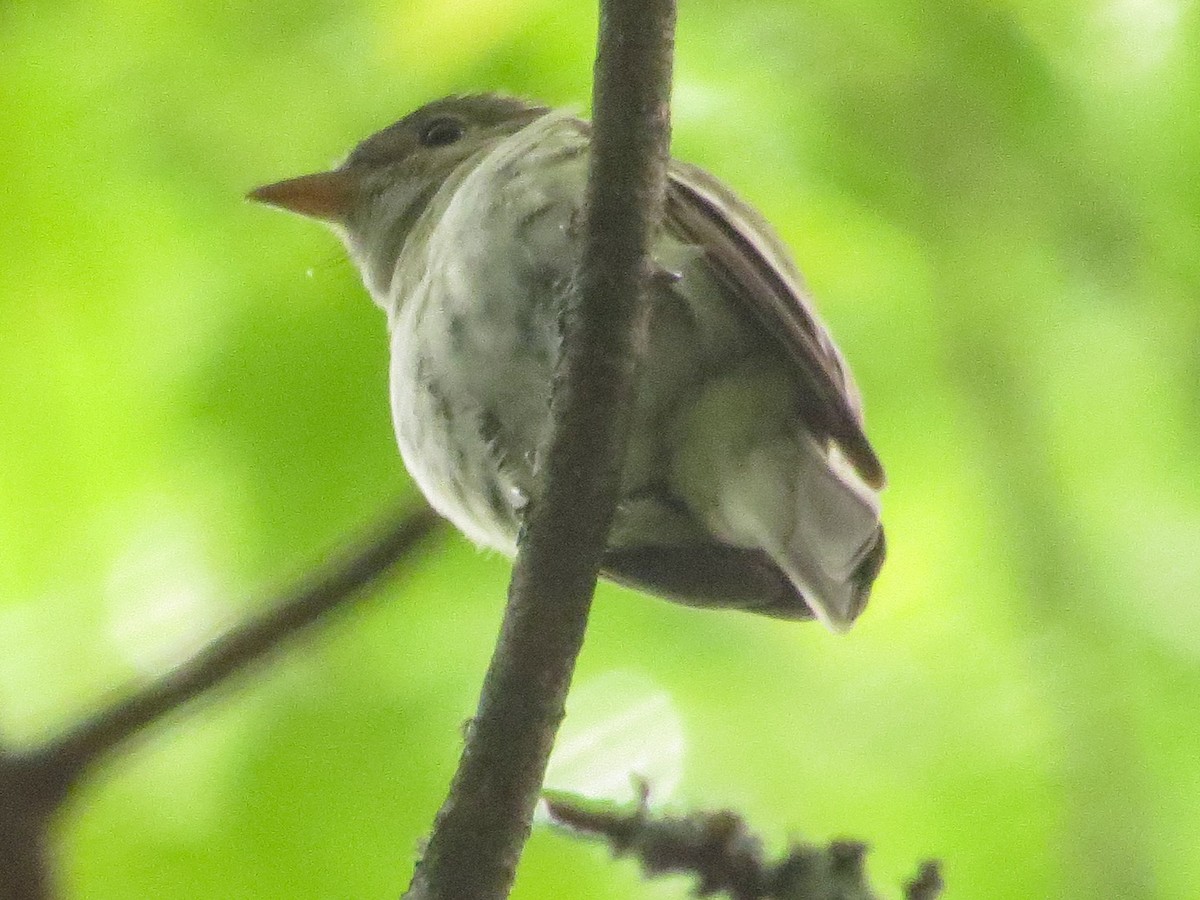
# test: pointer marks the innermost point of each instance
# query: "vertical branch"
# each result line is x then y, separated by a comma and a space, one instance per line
24, 870
29, 794
482, 826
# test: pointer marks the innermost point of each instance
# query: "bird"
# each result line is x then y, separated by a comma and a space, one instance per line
749, 482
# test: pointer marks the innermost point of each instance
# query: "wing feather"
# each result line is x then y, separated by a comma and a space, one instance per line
752, 263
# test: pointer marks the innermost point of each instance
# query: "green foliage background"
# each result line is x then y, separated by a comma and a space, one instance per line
998, 207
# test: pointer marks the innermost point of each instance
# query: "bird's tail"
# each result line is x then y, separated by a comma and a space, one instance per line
758, 480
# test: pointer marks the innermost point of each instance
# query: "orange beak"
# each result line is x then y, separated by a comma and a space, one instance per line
327, 196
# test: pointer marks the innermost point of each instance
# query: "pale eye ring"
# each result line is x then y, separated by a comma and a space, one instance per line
442, 131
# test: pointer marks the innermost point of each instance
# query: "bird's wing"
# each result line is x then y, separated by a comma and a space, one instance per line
751, 262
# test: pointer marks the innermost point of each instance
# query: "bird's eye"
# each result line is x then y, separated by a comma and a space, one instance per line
442, 131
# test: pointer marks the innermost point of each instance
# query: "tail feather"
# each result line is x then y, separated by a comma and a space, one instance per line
821, 528
758, 480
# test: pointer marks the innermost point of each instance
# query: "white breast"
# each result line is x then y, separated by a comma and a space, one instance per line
475, 339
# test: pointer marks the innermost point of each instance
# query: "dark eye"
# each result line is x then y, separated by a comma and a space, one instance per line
442, 131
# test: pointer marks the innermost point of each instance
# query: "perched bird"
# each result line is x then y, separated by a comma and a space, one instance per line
749, 482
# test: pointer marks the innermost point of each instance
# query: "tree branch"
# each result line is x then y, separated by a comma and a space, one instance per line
35, 782
27, 801
482, 826
721, 851
85, 743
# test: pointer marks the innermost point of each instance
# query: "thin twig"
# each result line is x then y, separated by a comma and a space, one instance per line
482, 826
727, 858
330, 586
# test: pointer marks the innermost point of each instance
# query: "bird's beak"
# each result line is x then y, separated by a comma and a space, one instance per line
327, 196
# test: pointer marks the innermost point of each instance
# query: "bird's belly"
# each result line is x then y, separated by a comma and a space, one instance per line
473, 359
470, 390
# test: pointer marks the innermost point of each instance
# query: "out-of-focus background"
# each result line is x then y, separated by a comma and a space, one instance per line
997, 205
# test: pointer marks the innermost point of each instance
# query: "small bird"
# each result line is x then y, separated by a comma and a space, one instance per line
748, 481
